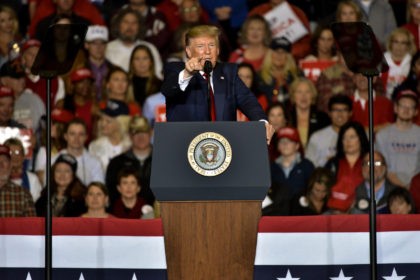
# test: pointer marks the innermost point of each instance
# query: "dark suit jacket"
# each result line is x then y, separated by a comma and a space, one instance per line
230, 94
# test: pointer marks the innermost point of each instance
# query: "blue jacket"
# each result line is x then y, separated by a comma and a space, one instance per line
230, 94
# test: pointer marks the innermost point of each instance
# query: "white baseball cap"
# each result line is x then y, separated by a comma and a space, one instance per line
97, 32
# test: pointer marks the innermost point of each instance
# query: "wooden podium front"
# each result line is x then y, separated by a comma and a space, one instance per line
210, 223
207, 240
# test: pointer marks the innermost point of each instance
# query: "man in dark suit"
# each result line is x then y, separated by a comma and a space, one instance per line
185, 87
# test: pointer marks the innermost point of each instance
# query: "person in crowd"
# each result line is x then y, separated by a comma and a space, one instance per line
380, 16
172, 12
81, 100
291, 170
28, 108
413, 20
20, 175
249, 77
411, 81
156, 27
130, 205
138, 158
382, 186
95, 45
97, 200
399, 142
254, 40
7, 101
415, 191
313, 201
278, 118
112, 137
278, 71
383, 106
62, 7
127, 31
9, 32
401, 202
229, 14
323, 143
15, 201
29, 51
89, 167
303, 114
177, 47
59, 120
338, 79
143, 81
323, 53
186, 89
400, 49
352, 144
117, 90
348, 11
67, 191
39, 9
301, 47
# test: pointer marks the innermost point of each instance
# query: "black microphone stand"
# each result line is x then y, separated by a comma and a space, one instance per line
207, 70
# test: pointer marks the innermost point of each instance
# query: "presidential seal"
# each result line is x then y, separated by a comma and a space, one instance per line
209, 154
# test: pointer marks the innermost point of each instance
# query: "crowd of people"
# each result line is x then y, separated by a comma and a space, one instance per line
104, 109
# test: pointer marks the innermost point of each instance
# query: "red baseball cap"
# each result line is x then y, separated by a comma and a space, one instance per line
61, 115
81, 74
409, 94
290, 133
6, 92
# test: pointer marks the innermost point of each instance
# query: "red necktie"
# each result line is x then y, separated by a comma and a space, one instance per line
212, 103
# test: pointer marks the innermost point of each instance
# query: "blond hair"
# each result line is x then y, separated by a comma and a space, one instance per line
266, 67
351, 4
296, 83
200, 31
402, 31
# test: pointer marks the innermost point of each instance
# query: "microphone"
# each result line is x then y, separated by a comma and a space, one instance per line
208, 67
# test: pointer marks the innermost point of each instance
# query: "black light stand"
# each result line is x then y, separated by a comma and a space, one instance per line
49, 63
362, 54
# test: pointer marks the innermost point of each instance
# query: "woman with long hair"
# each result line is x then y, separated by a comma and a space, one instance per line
67, 191
9, 33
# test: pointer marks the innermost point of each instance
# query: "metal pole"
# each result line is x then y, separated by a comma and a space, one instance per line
372, 208
48, 217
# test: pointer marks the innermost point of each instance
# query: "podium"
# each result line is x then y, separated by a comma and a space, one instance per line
210, 179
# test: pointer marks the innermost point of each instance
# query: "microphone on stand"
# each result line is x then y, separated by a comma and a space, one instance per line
208, 67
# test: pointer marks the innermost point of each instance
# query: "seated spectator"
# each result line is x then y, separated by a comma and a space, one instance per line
383, 106
139, 158
278, 118
400, 141
303, 114
413, 20
20, 175
62, 7
97, 201
314, 199
117, 90
130, 205
7, 101
301, 47
249, 77
9, 32
95, 45
382, 187
401, 202
278, 71
15, 201
81, 99
290, 171
143, 81
400, 48
322, 144
352, 144
348, 11
29, 52
67, 191
323, 53
112, 137
59, 120
89, 167
254, 40
126, 29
